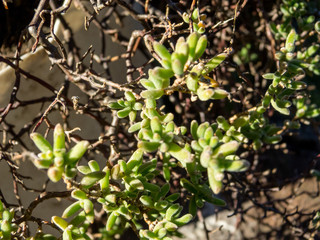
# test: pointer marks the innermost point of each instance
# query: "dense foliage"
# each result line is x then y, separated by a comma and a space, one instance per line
184, 130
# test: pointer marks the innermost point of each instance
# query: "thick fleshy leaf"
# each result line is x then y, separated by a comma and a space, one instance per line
181, 154
161, 50
124, 112
173, 210
115, 105
87, 205
77, 152
201, 47
153, 94
192, 41
236, 165
55, 173
205, 94
146, 200
269, 76
42, 163
290, 41
94, 166
183, 220
111, 220
202, 129
214, 62
61, 223
205, 156
284, 111
78, 194
219, 93
156, 125
129, 96
194, 128
72, 209
170, 226
84, 169
58, 137
177, 66
148, 146
215, 184
148, 84
91, 178
226, 148
42, 144
104, 182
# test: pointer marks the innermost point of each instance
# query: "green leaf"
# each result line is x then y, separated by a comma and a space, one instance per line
268, 76
188, 185
151, 187
202, 129
148, 84
183, 220
219, 93
177, 66
290, 41
297, 85
136, 184
42, 144
58, 137
236, 165
104, 182
162, 51
84, 169
170, 226
192, 41
129, 96
72, 209
67, 234
193, 129
147, 167
91, 178
124, 112
284, 111
77, 152
156, 125
124, 212
272, 139
146, 200
55, 173
181, 154
205, 94
214, 62
215, 185
173, 197
94, 166
111, 220
78, 194
153, 94
173, 210
226, 148
115, 105
160, 73
87, 205
205, 156
42, 163
61, 223
135, 127
135, 158
148, 146
201, 47
79, 219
